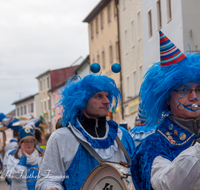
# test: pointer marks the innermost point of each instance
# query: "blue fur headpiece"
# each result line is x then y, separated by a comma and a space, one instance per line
77, 92
160, 82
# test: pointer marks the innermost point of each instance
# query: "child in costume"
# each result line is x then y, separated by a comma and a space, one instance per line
169, 159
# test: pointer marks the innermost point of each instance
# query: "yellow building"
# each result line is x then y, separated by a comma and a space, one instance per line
103, 41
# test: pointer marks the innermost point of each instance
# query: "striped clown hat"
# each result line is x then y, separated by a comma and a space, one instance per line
169, 53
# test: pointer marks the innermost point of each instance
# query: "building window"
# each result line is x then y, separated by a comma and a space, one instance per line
150, 24
48, 82
98, 59
111, 54
132, 34
42, 106
126, 42
41, 85
139, 25
109, 13
29, 108
97, 26
25, 110
18, 112
44, 86
127, 88
49, 102
141, 74
115, 10
32, 108
21, 110
93, 60
159, 19
134, 83
103, 60
117, 50
45, 106
92, 30
101, 16
169, 10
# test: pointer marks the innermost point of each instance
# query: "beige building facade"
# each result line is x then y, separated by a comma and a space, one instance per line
45, 102
103, 42
132, 56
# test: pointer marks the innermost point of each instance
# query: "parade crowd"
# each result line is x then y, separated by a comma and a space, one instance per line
162, 151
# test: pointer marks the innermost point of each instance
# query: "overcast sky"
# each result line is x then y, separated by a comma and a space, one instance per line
37, 35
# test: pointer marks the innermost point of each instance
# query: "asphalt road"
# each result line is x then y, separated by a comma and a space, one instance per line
3, 184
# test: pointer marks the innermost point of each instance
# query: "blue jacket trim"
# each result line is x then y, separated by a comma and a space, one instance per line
101, 143
22, 161
12, 152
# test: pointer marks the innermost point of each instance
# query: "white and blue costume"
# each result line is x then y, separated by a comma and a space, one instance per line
22, 174
67, 164
139, 133
22, 170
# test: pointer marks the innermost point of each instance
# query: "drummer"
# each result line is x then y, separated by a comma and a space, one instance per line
170, 157
85, 103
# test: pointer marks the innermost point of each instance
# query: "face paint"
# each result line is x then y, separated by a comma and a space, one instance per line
179, 103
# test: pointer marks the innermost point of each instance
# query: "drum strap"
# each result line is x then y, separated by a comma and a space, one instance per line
94, 153
123, 148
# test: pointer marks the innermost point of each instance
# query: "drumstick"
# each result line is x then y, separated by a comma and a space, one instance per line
127, 165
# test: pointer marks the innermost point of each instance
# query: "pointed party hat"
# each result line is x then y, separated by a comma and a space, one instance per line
169, 53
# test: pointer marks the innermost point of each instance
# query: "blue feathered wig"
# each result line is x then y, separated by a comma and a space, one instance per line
160, 82
76, 93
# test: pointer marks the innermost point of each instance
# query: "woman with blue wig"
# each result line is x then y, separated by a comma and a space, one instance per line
170, 157
85, 103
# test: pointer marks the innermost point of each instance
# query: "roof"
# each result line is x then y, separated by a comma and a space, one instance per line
61, 75
58, 86
11, 114
42, 74
96, 10
86, 60
24, 99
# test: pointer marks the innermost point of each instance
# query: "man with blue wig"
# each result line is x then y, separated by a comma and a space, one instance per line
170, 157
85, 105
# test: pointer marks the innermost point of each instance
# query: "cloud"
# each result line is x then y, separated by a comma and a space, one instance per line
37, 35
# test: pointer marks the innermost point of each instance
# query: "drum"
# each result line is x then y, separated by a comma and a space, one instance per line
109, 177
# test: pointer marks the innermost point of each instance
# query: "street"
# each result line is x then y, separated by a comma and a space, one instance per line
3, 184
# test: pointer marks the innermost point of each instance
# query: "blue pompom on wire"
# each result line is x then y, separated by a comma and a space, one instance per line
95, 67
116, 68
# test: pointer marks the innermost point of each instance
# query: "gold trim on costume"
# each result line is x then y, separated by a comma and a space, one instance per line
175, 144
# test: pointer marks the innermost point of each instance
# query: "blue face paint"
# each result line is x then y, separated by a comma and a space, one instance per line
179, 103
195, 98
190, 108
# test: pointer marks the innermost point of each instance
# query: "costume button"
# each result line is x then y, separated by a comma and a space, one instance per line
182, 136
175, 133
172, 141
170, 137
170, 127
167, 133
